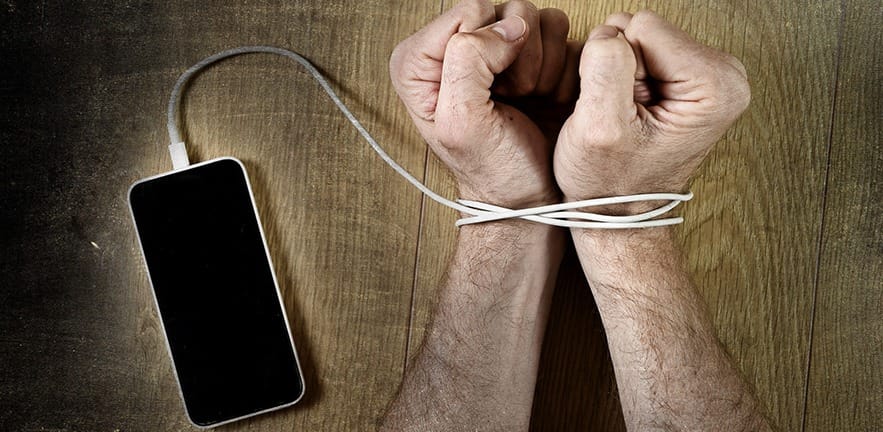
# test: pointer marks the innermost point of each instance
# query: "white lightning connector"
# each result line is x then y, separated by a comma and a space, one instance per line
179, 155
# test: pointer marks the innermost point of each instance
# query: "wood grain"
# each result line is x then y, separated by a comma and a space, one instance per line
82, 95
360, 254
752, 235
845, 388
342, 227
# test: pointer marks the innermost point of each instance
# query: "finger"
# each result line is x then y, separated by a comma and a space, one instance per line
607, 70
468, 15
643, 91
521, 78
471, 61
554, 27
620, 20
669, 54
568, 86
691, 77
416, 63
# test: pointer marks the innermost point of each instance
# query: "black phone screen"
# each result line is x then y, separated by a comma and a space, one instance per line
216, 292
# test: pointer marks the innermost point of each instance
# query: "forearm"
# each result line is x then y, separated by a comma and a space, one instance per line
671, 370
477, 367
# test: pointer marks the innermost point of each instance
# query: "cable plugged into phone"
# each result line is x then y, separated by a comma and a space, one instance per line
556, 214
178, 150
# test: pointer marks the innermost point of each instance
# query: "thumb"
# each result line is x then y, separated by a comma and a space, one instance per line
470, 63
607, 76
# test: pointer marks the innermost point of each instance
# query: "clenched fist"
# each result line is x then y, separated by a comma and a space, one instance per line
652, 103
453, 75
490, 89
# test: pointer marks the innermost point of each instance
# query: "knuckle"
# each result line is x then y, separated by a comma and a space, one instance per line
554, 20
644, 18
730, 90
544, 87
741, 94
608, 47
466, 52
737, 83
619, 16
523, 6
555, 14
396, 60
523, 84
613, 54
460, 44
475, 7
405, 60
527, 86
736, 64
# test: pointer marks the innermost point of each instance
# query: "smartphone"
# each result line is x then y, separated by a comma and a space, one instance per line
216, 292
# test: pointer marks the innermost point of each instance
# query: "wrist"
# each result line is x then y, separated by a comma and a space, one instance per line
625, 260
513, 259
510, 197
629, 208
618, 242
624, 209
512, 240
513, 237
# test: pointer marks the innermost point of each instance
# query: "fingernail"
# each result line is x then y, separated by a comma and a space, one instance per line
511, 28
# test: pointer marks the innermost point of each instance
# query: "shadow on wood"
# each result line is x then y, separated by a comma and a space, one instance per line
576, 387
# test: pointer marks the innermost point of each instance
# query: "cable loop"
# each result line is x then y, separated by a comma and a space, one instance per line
555, 214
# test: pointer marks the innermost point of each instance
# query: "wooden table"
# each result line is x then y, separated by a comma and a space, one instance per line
785, 237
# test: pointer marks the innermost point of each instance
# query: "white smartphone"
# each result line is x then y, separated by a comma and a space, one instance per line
216, 292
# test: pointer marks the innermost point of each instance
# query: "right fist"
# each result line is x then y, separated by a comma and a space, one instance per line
446, 75
652, 103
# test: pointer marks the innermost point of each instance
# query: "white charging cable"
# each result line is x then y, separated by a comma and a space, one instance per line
556, 214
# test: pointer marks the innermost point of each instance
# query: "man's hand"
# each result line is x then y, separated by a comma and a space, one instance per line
476, 369
652, 103
445, 74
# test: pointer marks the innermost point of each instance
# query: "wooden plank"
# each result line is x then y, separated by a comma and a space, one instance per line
345, 224
82, 96
751, 235
753, 248
81, 345
845, 380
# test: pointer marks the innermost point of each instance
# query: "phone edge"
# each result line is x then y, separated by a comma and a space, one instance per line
275, 283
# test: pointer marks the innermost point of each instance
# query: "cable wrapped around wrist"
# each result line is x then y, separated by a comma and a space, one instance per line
555, 214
